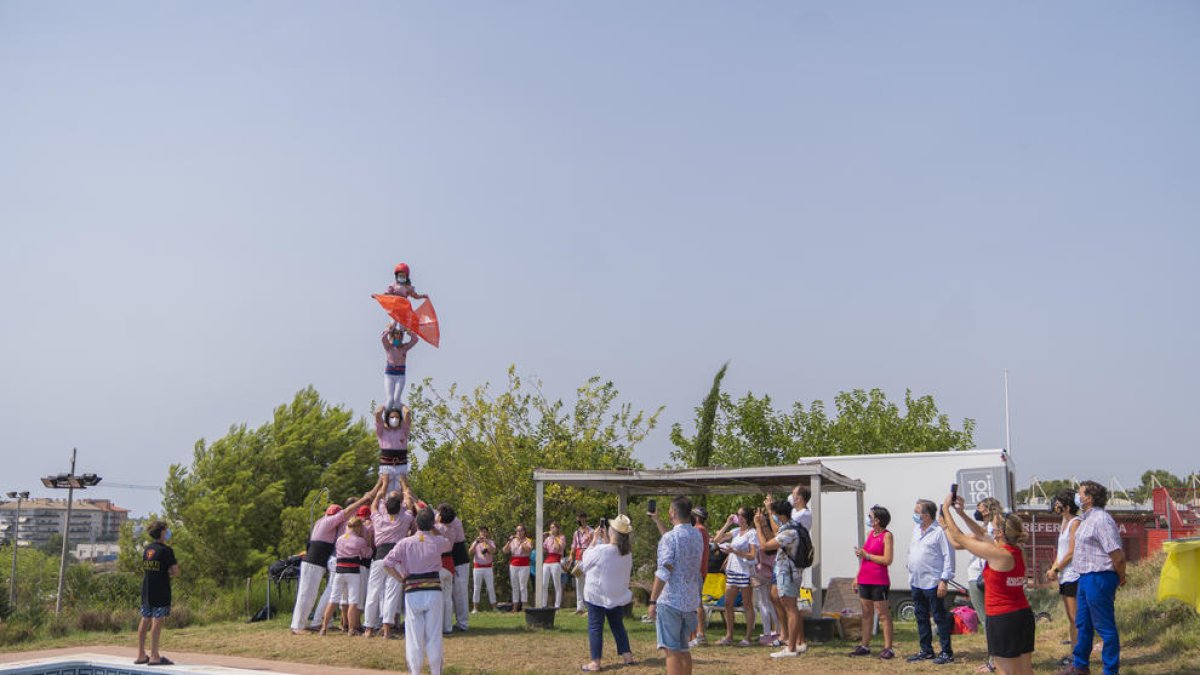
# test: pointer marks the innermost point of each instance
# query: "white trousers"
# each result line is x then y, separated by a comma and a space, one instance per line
764, 609
447, 578
324, 601
423, 631
519, 578
383, 597
552, 573
461, 607
580, 586
393, 391
393, 473
483, 576
307, 590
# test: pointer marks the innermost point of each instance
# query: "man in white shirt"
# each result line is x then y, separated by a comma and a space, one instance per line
930, 569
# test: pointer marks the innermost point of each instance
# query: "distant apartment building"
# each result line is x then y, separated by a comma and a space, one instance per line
92, 521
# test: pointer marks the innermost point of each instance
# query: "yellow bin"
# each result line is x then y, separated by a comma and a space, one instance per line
1180, 577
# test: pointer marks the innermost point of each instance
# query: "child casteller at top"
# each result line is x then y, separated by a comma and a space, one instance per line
403, 285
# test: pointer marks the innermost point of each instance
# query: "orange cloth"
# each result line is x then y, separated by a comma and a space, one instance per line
421, 321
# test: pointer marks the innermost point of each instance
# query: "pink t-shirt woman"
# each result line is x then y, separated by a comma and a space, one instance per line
870, 572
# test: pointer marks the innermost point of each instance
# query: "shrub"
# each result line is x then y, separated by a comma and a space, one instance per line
58, 626
98, 621
14, 632
126, 620
180, 617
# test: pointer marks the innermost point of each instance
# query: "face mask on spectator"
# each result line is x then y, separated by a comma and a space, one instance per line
978, 515
916, 519
1078, 500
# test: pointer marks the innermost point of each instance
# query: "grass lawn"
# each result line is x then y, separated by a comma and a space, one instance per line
500, 643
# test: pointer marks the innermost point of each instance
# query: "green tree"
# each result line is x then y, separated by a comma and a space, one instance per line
244, 499
751, 431
1156, 478
481, 449
1046, 489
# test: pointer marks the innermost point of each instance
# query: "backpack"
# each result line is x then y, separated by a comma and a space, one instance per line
803, 556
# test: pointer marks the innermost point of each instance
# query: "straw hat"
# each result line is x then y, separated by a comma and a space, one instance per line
621, 524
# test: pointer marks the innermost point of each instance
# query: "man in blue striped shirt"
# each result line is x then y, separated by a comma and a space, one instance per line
675, 595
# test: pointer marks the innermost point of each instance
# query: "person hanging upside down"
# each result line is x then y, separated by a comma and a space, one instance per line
391, 428
394, 373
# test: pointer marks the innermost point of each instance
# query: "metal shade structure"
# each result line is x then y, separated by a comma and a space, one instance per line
626, 483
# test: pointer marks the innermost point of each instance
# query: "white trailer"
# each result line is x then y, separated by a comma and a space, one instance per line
896, 481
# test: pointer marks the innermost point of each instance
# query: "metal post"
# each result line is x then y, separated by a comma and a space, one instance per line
1007, 418
623, 501
862, 516
815, 505
62, 563
540, 579
16, 541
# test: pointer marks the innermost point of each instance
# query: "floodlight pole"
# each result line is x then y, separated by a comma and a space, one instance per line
1007, 417
16, 539
62, 562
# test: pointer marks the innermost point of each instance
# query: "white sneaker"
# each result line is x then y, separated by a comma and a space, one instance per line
475, 611
802, 648
784, 653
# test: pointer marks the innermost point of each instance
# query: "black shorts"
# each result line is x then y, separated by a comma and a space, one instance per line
1069, 589
875, 592
1010, 635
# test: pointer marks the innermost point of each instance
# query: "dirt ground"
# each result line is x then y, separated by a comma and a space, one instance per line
500, 643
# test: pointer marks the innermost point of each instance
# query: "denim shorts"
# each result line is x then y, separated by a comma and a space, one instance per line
156, 612
787, 584
674, 628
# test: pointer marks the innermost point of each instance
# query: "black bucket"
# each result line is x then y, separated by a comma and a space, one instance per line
819, 629
540, 617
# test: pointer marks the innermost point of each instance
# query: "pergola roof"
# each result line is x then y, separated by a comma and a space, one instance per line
711, 480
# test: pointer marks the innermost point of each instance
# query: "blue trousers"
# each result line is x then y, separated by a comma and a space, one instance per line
616, 624
1095, 613
927, 602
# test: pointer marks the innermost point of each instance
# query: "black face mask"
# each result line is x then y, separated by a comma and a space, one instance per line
978, 515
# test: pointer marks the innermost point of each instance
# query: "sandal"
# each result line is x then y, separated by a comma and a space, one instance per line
629, 660
162, 661
745, 643
141, 660
725, 642
587, 668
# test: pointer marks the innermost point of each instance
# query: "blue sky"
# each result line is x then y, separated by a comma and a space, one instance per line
196, 200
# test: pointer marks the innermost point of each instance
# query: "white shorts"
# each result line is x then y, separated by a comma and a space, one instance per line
345, 589
393, 469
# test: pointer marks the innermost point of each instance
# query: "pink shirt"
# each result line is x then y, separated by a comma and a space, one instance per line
395, 355
327, 528
419, 554
454, 531
351, 545
580, 541
404, 290
393, 439
869, 572
390, 529
485, 552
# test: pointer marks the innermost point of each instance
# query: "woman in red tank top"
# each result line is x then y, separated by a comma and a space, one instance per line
1010, 622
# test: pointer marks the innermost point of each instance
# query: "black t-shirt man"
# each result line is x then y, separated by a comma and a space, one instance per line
157, 561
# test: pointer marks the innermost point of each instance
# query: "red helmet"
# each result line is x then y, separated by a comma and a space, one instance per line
363, 512
402, 267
